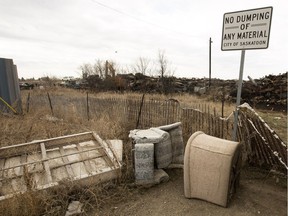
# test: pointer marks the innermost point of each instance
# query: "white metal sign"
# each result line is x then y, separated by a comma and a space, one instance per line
249, 29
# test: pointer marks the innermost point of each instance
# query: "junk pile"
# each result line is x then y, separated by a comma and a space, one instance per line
269, 91
156, 149
211, 165
83, 158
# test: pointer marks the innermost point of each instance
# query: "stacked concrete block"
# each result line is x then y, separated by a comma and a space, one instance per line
211, 168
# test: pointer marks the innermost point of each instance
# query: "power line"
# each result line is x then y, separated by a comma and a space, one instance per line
138, 19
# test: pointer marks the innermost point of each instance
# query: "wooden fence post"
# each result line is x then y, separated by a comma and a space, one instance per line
28, 103
87, 106
51, 107
139, 114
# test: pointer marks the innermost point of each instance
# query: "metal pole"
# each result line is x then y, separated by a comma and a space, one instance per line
238, 95
210, 41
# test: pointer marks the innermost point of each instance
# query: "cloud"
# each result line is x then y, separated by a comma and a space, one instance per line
55, 37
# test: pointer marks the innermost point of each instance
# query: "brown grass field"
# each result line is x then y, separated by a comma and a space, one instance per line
35, 125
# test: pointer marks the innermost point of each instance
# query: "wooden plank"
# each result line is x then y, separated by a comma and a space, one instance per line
262, 149
51, 158
267, 151
2, 163
83, 157
45, 163
46, 140
109, 152
255, 157
203, 119
24, 148
227, 128
23, 159
275, 144
66, 161
209, 121
117, 148
57, 166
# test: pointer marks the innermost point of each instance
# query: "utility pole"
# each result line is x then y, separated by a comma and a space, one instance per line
210, 42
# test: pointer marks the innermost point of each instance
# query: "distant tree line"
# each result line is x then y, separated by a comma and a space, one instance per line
105, 75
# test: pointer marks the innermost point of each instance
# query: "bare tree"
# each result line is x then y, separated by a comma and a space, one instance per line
99, 68
165, 72
164, 65
142, 66
87, 70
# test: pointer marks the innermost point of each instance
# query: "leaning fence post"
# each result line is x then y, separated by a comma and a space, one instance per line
140, 110
28, 103
50, 103
87, 105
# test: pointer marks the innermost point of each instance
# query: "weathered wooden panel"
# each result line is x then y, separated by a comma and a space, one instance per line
76, 157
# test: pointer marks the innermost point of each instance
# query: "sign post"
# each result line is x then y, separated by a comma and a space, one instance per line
244, 30
240, 81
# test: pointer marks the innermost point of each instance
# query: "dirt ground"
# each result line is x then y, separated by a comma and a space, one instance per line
259, 193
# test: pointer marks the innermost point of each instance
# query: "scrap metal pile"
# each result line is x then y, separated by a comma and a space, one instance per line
269, 91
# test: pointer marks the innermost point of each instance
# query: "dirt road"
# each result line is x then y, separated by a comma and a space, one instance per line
259, 194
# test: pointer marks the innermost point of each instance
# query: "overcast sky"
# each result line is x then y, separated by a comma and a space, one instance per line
54, 37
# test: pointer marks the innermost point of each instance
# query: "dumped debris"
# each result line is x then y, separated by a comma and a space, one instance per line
75, 207
43, 164
269, 91
164, 144
162, 141
264, 147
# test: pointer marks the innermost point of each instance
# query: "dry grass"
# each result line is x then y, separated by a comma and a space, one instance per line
38, 124
56, 200
277, 121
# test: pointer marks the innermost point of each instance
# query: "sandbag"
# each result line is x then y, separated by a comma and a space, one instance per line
211, 167
144, 163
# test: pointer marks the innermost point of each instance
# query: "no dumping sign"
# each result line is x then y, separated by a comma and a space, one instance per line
248, 29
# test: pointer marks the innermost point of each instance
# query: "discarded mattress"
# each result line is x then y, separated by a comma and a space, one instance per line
37, 165
162, 144
211, 168
175, 132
